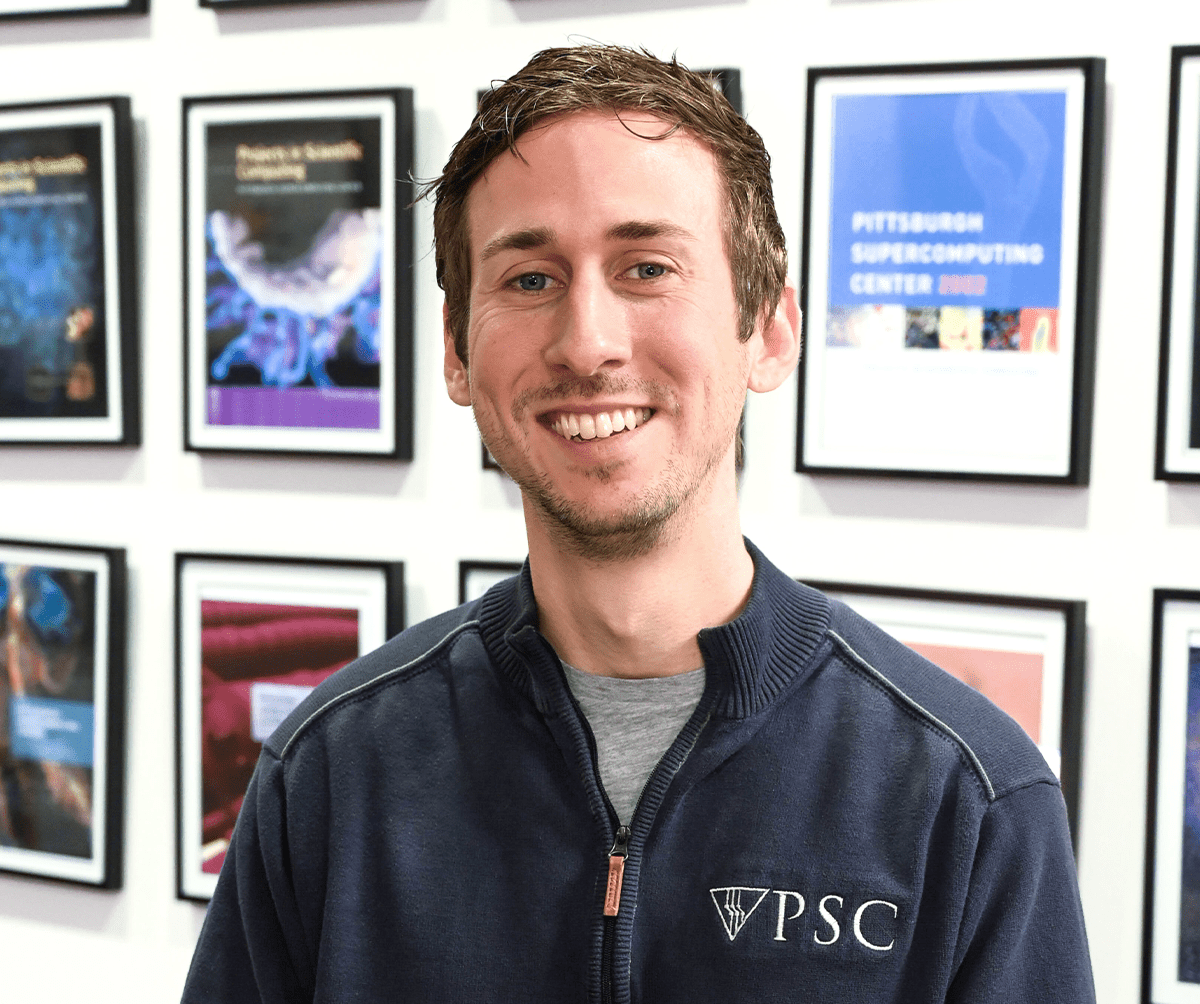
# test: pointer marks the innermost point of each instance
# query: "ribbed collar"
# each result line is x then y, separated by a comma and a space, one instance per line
752, 659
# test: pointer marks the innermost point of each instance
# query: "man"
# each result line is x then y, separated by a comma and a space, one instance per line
652, 767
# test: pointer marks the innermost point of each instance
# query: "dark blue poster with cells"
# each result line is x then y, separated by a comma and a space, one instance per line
54, 319
294, 258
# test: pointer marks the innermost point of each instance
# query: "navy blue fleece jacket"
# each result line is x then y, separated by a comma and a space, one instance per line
838, 821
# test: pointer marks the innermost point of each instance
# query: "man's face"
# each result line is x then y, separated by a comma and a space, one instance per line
604, 367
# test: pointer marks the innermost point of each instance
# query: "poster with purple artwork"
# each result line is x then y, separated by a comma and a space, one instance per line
1189, 911
1171, 942
296, 334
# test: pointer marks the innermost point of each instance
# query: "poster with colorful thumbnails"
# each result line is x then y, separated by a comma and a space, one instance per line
298, 271
256, 636
61, 711
1171, 925
1177, 452
1025, 654
68, 343
949, 283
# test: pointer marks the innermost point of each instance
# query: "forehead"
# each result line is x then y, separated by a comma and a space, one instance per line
589, 167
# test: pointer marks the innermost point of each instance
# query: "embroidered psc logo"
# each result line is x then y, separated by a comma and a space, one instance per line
736, 903
733, 911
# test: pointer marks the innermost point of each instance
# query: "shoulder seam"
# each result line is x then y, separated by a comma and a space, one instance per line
1053, 782
923, 712
346, 695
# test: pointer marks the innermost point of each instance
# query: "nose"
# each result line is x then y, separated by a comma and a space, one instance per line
593, 332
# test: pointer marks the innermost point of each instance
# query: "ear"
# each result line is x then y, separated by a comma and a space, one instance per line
776, 344
458, 384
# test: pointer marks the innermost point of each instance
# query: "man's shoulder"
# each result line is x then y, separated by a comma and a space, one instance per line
988, 741
409, 654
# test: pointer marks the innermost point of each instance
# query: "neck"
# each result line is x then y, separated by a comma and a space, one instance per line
639, 616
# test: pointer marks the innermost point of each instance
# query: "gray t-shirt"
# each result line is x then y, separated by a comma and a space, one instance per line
634, 722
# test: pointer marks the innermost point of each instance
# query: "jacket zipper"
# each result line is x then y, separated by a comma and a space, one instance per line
616, 871
612, 904
617, 856
619, 852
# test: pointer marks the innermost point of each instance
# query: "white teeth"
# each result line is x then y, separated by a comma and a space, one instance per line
601, 426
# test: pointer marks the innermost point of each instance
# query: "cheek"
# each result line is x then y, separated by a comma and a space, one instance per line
500, 369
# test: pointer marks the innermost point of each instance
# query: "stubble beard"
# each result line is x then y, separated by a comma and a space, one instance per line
631, 534
647, 521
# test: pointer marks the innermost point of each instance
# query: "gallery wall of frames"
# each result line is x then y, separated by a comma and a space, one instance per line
228, 464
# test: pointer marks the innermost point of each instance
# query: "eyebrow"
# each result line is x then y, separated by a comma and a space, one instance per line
519, 240
539, 237
640, 230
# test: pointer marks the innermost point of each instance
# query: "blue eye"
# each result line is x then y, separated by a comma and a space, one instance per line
532, 282
650, 270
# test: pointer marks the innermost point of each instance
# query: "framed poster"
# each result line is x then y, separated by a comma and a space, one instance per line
1026, 655
254, 636
1171, 930
476, 577
298, 273
68, 294
24, 9
1177, 452
949, 270
62, 711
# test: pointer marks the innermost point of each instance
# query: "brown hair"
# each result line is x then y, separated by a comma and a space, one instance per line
615, 78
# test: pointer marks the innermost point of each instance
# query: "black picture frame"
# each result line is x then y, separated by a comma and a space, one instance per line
955, 626
219, 5
72, 9
71, 377
1171, 927
476, 577
312, 361
1177, 439
309, 609
64, 607
871, 402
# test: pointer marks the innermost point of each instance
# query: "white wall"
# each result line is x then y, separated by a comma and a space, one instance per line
1110, 543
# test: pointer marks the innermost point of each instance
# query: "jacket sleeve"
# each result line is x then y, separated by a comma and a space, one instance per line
1022, 936
252, 946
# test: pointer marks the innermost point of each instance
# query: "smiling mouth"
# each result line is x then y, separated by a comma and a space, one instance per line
584, 426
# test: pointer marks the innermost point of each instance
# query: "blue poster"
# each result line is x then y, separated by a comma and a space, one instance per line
53, 325
949, 200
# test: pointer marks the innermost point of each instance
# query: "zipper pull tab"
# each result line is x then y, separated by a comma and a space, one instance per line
616, 871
